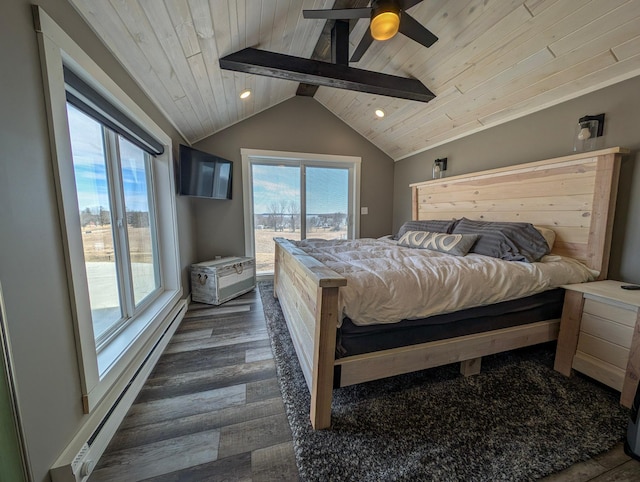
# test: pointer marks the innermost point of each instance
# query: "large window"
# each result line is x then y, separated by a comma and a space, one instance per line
115, 203
297, 196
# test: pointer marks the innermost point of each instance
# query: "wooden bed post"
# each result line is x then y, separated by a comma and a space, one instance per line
308, 295
276, 261
414, 202
323, 357
604, 205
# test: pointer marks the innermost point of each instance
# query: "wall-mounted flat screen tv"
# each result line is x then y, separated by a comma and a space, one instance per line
204, 175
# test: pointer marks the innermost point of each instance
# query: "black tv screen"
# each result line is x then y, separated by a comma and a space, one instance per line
204, 175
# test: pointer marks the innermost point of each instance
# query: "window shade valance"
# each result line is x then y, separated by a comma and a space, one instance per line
84, 97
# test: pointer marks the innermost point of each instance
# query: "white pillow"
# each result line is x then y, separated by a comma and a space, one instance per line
549, 235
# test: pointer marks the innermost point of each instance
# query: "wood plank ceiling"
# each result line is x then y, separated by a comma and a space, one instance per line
495, 60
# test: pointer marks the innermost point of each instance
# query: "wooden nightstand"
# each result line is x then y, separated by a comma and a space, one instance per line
600, 335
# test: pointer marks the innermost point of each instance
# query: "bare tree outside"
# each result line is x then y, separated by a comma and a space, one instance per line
275, 216
293, 212
277, 223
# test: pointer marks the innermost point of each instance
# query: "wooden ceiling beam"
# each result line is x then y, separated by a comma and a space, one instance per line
288, 67
322, 50
340, 43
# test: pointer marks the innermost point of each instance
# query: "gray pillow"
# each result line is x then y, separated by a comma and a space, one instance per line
503, 240
434, 226
456, 244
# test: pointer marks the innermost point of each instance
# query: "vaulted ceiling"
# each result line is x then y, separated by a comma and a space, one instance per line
495, 60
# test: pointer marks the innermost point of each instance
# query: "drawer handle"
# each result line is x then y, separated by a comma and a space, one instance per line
239, 268
203, 279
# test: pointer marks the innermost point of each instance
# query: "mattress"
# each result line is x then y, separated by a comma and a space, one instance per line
353, 339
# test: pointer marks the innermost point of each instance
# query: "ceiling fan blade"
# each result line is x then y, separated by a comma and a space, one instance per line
362, 47
407, 4
413, 29
338, 13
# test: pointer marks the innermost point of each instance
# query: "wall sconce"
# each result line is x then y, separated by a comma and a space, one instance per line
589, 133
439, 166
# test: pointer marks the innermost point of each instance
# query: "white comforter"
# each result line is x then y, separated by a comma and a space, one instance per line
388, 283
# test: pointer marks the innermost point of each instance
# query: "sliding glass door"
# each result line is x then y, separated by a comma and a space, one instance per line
327, 201
297, 198
276, 209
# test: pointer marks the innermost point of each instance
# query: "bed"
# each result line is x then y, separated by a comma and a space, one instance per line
574, 196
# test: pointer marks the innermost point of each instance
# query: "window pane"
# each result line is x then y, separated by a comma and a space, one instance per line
137, 199
327, 202
276, 208
89, 164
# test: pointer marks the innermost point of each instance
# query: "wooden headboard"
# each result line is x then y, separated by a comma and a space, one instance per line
573, 195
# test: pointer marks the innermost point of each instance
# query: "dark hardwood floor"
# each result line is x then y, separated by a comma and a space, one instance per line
211, 410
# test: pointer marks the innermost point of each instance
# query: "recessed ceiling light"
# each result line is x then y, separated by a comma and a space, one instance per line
379, 112
245, 93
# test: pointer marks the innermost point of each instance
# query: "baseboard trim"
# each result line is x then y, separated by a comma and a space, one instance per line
80, 457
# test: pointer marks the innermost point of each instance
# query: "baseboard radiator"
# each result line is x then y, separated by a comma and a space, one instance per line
80, 457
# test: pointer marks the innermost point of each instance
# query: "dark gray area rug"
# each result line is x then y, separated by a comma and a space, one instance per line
517, 420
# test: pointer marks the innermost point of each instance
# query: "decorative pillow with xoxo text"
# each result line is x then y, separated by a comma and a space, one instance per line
456, 244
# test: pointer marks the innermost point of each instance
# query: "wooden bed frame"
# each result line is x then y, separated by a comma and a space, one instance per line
574, 195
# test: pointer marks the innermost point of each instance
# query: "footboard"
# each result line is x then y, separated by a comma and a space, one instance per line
308, 295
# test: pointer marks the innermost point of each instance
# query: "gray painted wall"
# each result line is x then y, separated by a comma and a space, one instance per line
547, 134
299, 124
32, 268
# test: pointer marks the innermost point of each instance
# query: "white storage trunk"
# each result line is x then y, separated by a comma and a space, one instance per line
220, 280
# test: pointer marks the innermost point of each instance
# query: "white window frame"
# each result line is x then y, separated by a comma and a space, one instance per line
260, 156
119, 232
101, 372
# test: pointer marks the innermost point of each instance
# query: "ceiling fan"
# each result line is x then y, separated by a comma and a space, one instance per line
388, 17
338, 73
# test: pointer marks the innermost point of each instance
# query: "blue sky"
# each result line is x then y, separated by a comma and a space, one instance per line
327, 188
90, 171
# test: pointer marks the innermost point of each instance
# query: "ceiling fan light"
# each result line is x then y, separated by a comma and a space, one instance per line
384, 25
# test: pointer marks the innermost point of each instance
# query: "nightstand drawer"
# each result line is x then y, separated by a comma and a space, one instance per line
606, 329
610, 312
602, 371
604, 350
